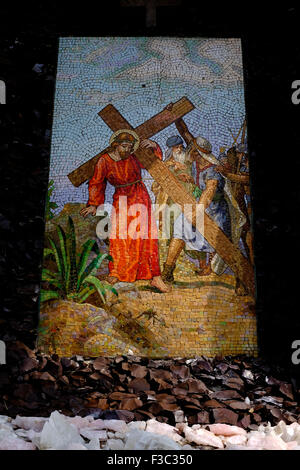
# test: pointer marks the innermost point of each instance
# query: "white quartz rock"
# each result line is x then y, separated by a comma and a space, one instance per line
264, 441
116, 425
163, 428
202, 437
292, 445
93, 434
120, 435
30, 422
248, 374
288, 433
238, 439
187, 447
240, 447
73, 446
114, 444
7, 426
273, 442
181, 427
226, 430
58, 433
137, 425
143, 440
22, 433
255, 439
195, 426
80, 422
285, 432
294, 430
28, 434
10, 441
5, 419
94, 444
61, 432
179, 416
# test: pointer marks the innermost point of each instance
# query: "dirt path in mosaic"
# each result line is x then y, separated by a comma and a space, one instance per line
203, 318
201, 315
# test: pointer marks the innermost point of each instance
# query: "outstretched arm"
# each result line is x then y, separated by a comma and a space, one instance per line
97, 184
150, 144
244, 179
236, 178
97, 187
208, 193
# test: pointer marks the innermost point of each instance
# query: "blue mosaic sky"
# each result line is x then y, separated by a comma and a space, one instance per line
140, 76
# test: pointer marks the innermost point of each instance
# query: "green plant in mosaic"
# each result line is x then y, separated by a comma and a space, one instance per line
50, 205
75, 276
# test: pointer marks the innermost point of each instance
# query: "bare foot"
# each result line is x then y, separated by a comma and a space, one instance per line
112, 279
159, 284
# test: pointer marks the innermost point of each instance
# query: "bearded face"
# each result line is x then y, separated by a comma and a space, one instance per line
124, 149
179, 154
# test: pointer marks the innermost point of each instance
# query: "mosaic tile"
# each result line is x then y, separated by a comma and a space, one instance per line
167, 116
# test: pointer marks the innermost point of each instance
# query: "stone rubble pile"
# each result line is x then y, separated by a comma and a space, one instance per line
60, 432
239, 391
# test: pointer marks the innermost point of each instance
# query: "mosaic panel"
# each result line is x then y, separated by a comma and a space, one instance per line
148, 246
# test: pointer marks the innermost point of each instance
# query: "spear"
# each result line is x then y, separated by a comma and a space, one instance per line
244, 131
236, 138
242, 142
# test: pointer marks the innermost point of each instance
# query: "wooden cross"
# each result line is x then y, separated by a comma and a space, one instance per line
151, 6
170, 184
145, 131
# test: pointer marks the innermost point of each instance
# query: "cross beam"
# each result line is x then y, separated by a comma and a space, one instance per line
146, 130
168, 181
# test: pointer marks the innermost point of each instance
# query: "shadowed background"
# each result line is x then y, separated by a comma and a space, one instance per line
271, 57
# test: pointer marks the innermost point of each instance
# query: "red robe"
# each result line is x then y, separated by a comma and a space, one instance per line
133, 259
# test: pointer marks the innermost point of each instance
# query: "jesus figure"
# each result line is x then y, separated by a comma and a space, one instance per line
134, 258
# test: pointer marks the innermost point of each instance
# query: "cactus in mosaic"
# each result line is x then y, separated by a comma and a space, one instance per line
75, 277
50, 205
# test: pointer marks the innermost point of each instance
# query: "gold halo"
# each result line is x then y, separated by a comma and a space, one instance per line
128, 131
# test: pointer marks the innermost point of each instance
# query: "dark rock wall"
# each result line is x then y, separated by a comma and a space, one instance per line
29, 36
